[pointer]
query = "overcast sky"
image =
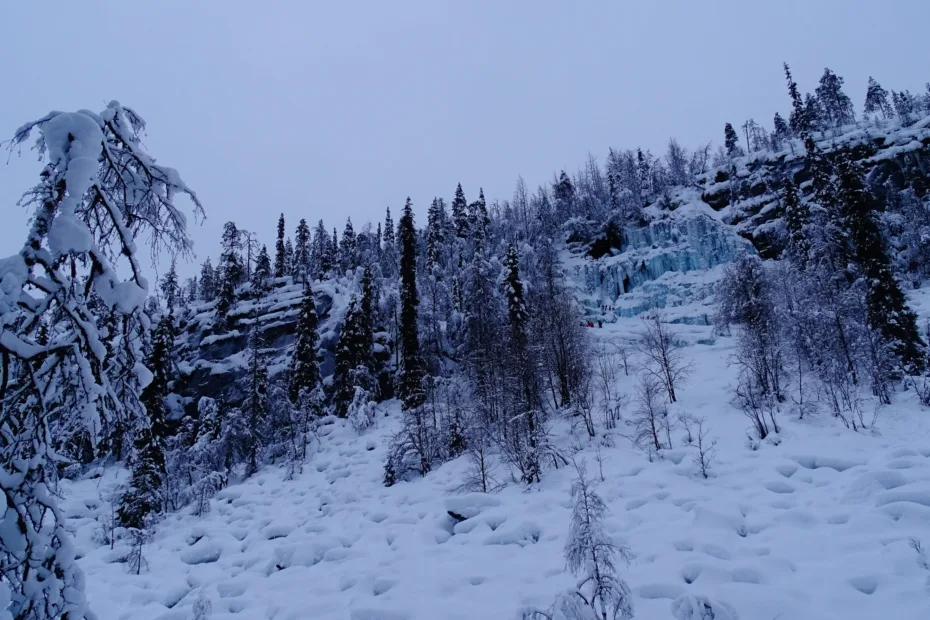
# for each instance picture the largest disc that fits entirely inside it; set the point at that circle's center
(336, 109)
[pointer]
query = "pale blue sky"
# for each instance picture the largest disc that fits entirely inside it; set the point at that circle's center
(336, 109)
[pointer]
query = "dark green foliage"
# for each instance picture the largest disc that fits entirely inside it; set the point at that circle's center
(280, 257)
(145, 496)
(410, 388)
(388, 232)
(208, 284)
(835, 106)
(170, 288)
(887, 307)
(321, 257)
(798, 121)
(797, 217)
(231, 259)
(478, 220)
(255, 406)
(262, 272)
(348, 248)
(231, 270)
(731, 141)
(876, 99)
(301, 265)
(225, 299)
(289, 256)
(435, 232)
(366, 307)
(353, 359)
(390, 473)
(460, 213)
(305, 367)
(513, 289)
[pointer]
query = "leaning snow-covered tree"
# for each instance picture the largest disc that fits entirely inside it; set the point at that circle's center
(99, 197)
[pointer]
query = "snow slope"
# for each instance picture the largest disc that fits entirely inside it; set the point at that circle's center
(816, 527)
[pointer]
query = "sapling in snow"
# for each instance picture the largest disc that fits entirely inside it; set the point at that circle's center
(591, 554)
(706, 446)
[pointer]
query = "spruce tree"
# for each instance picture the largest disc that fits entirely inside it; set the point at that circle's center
(207, 281)
(435, 235)
(334, 250)
(460, 213)
(191, 290)
(262, 272)
(280, 258)
(289, 257)
(350, 359)
(518, 318)
(797, 217)
(836, 106)
(388, 231)
(876, 99)
(798, 121)
(160, 364)
(814, 113)
(479, 220)
(731, 141)
(410, 386)
(903, 106)
(305, 368)
(366, 307)
(231, 258)
(389, 247)
(527, 413)
(320, 251)
(145, 495)
(887, 307)
(255, 405)
(170, 289)
(614, 182)
(644, 174)
(226, 297)
(348, 248)
(513, 289)
(302, 251)
(781, 133)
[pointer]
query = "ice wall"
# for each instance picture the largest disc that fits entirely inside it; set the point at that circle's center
(673, 261)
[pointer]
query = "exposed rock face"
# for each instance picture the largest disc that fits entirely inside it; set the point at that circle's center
(212, 360)
(894, 157)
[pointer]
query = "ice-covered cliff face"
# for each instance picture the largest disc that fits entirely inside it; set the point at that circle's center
(674, 259)
(671, 261)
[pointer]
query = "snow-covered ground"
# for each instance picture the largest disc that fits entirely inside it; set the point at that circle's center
(816, 527)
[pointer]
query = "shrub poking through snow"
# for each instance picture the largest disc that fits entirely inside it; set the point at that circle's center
(706, 446)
